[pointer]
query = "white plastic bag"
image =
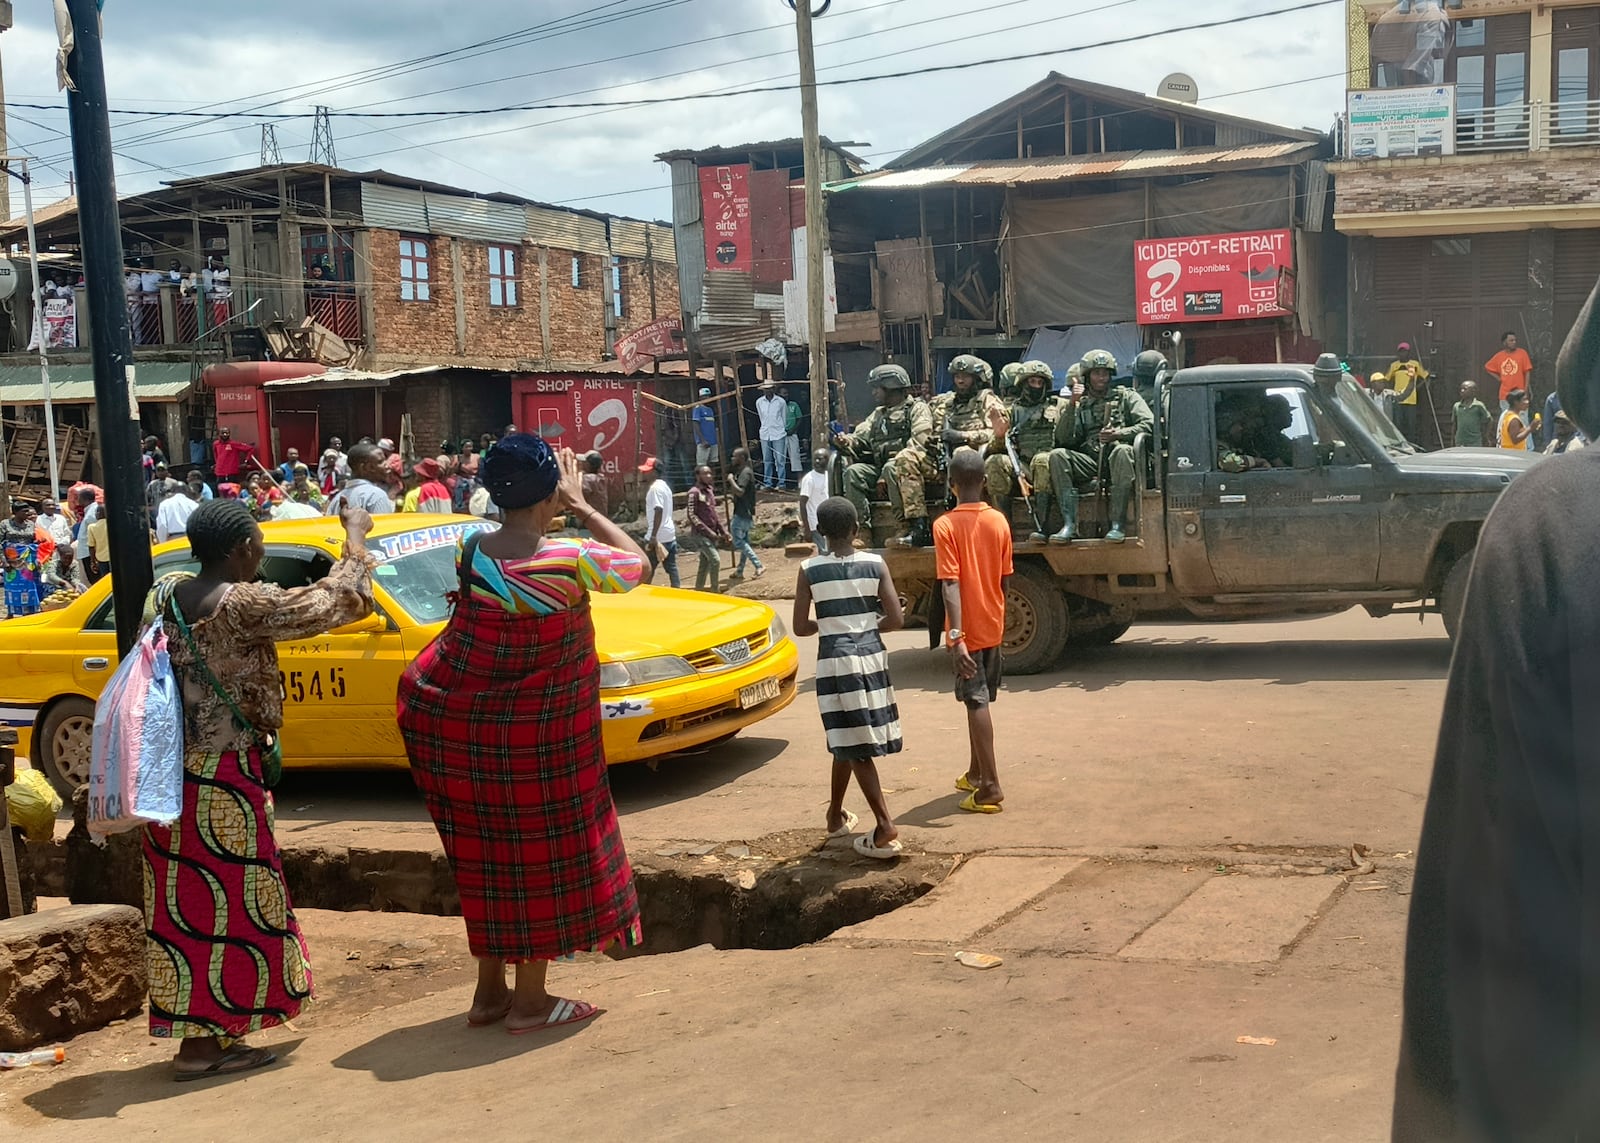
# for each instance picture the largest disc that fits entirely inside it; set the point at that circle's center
(136, 754)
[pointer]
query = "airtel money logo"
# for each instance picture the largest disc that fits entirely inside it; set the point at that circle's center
(1169, 269)
(1162, 302)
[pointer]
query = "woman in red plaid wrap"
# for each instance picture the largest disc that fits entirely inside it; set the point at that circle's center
(501, 719)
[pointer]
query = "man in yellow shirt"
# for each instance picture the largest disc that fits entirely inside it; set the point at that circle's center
(1406, 377)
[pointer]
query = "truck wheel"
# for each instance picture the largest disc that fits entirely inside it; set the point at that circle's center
(63, 745)
(1102, 636)
(1036, 622)
(1453, 594)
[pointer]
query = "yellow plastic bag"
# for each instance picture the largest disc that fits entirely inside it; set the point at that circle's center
(33, 804)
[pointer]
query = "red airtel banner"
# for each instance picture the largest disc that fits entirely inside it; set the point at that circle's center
(1215, 277)
(586, 413)
(725, 207)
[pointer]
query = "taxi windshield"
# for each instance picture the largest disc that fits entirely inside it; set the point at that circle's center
(418, 569)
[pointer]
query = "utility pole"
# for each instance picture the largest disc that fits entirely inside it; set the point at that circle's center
(816, 223)
(115, 400)
(6, 20)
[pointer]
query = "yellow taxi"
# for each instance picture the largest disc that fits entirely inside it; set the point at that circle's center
(679, 669)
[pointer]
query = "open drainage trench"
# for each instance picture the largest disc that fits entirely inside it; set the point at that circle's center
(777, 892)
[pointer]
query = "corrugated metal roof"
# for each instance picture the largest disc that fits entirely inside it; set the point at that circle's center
(628, 240)
(565, 231)
(1060, 168)
(397, 208)
(719, 339)
(730, 298)
(690, 243)
(353, 378)
(685, 192)
(1053, 86)
(74, 384)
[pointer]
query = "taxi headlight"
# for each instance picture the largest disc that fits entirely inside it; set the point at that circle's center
(777, 632)
(643, 672)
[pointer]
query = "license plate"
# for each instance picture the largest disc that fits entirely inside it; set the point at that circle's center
(757, 693)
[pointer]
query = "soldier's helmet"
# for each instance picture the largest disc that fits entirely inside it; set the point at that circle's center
(1098, 359)
(1010, 374)
(1036, 369)
(889, 377)
(1147, 365)
(977, 366)
(1075, 372)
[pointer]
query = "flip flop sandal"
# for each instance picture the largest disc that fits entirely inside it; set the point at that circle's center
(565, 1012)
(231, 1063)
(865, 847)
(971, 804)
(847, 828)
(964, 784)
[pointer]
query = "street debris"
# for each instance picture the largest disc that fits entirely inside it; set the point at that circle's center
(978, 960)
(1360, 864)
(1258, 1041)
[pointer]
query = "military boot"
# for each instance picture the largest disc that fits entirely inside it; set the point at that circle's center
(920, 534)
(1119, 513)
(1041, 508)
(1069, 519)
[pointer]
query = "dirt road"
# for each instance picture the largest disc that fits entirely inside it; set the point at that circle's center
(1311, 733)
(1187, 956)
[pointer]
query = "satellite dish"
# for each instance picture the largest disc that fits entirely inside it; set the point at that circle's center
(1179, 87)
(9, 278)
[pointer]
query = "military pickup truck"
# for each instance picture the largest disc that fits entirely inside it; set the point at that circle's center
(1351, 515)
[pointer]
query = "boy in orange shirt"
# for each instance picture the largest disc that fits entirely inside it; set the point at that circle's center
(972, 551)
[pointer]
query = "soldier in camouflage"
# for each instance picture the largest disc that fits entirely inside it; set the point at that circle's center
(1032, 417)
(1010, 376)
(1094, 441)
(900, 422)
(1147, 368)
(964, 416)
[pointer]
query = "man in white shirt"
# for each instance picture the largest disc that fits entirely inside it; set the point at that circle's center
(773, 412)
(660, 532)
(172, 518)
(813, 491)
(367, 485)
(59, 528)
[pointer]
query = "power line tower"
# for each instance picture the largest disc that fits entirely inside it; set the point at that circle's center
(270, 157)
(322, 140)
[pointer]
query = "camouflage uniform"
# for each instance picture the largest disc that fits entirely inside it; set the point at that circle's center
(887, 433)
(967, 414)
(1075, 462)
(1033, 416)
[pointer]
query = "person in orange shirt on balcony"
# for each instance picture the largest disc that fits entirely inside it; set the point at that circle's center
(1512, 367)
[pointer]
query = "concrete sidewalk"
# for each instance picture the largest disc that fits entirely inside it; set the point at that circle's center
(1116, 1015)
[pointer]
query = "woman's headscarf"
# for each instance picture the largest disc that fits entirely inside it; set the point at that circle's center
(521, 471)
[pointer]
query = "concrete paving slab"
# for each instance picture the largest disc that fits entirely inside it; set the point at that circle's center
(977, 895)
(1099, 909)
(1236, 920)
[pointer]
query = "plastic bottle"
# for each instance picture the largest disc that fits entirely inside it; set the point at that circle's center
(24, 1059)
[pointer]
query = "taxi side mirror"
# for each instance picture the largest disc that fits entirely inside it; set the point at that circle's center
(373, 624)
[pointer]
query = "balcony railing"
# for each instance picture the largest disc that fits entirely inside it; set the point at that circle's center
(1533, 126)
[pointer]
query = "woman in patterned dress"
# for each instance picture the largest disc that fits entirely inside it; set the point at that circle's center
(21, 561)
(226, 957)
(501, 719)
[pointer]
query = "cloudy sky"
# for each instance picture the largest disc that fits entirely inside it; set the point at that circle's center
(390, 55)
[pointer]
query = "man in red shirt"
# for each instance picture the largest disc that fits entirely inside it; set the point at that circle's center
(972, 556)
(1512, 367)
(231, 457)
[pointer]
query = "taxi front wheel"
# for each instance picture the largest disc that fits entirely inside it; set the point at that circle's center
(63, 745)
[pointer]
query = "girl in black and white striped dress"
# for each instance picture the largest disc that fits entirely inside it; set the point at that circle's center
(855, 603)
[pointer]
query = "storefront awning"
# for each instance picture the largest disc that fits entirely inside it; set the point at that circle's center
(350, 378)
(74, 384)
